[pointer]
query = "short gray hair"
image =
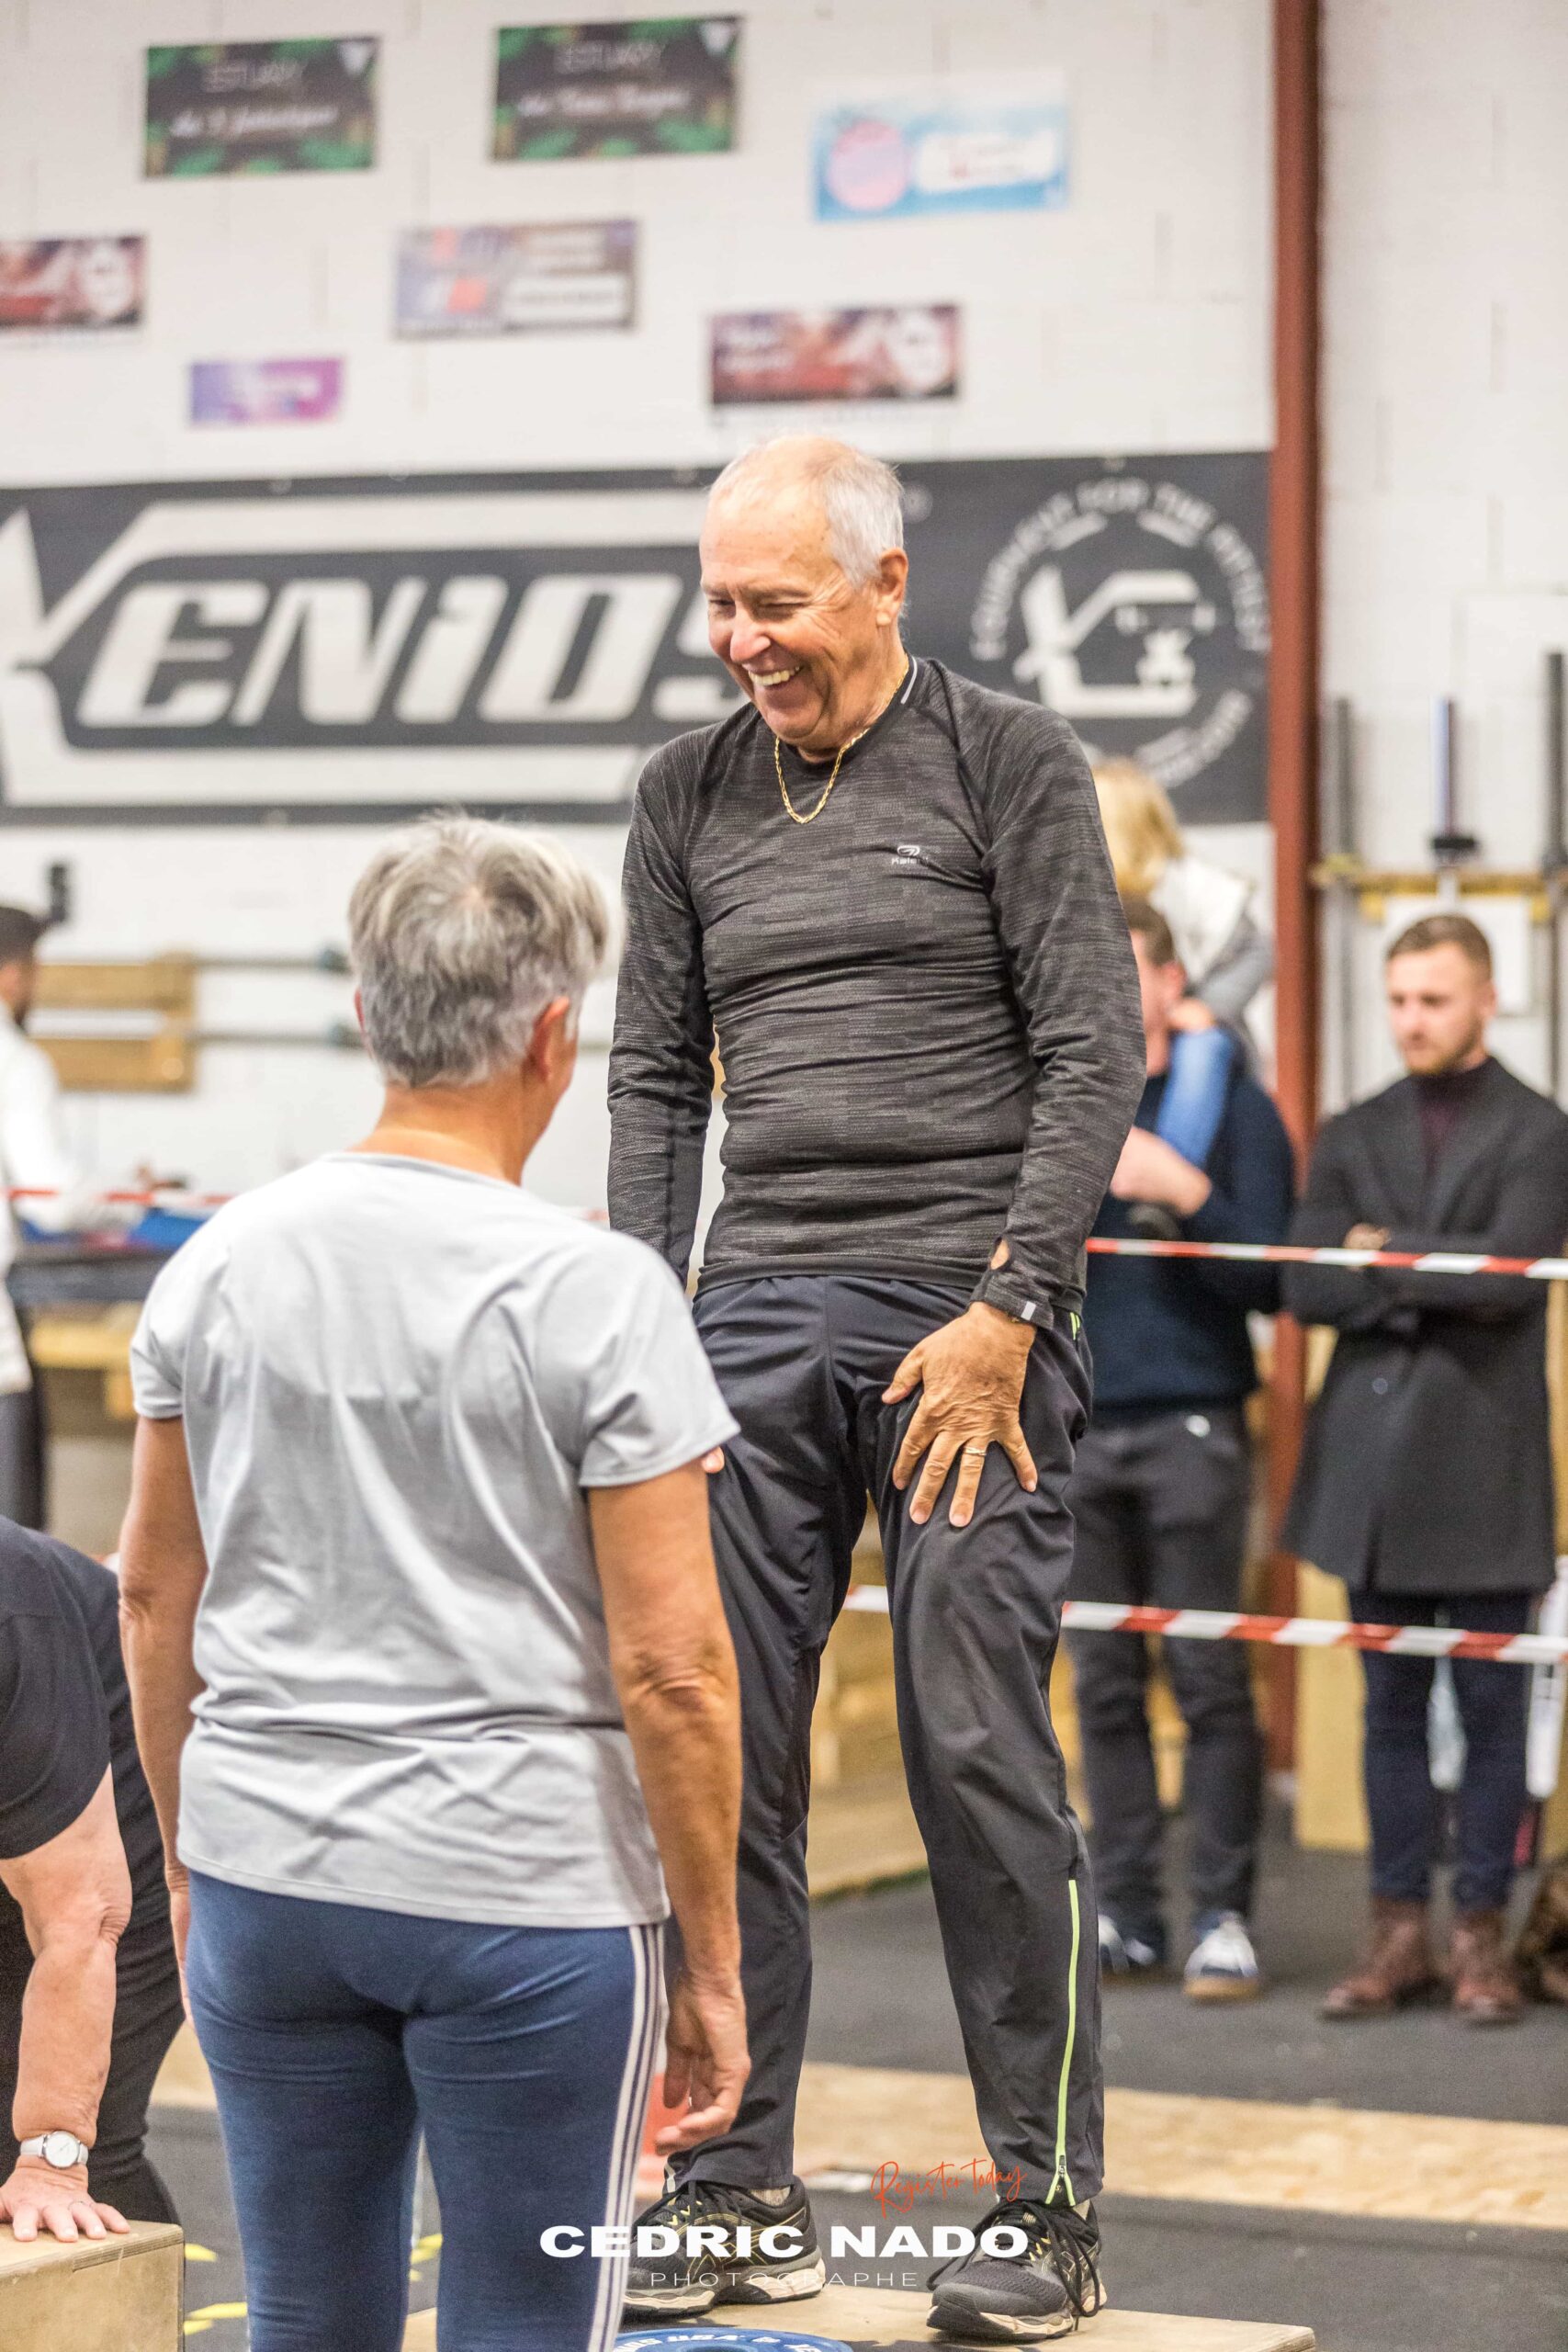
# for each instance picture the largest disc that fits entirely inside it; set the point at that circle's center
(462, 932)
(861, 496)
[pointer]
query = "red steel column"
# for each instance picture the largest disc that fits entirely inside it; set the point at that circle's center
(1293, 701)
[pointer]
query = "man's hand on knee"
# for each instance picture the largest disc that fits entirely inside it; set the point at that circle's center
(970, 1373)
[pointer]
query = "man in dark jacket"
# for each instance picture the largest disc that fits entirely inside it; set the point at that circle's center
(1425, 1480)
(1160, 1493)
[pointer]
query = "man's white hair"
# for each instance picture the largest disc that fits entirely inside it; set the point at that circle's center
(860, 494)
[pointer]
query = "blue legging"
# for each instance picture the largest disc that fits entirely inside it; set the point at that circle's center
(336, 2034)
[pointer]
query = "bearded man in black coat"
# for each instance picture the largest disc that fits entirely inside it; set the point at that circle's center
(1425, 1480)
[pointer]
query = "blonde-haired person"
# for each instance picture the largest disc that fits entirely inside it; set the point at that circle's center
(1225, 951)
(1226, 955)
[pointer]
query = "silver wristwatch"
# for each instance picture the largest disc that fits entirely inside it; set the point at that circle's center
(62, 2150)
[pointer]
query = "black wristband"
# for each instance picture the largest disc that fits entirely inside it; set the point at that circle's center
(1000, 1287)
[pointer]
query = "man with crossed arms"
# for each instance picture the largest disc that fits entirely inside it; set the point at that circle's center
(884, 891)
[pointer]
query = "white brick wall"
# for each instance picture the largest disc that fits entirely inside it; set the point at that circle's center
(1136, 318)
(1446, 508)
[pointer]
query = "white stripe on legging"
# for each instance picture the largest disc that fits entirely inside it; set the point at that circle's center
(636, 2079)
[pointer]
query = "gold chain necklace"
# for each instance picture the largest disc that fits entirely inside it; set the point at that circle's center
(811, 816)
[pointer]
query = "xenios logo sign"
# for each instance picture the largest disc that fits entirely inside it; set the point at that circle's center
(365, 647)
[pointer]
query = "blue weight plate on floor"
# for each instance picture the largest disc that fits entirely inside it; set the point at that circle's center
(725, 2339)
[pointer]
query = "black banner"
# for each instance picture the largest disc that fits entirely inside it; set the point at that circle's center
(333, 649)
(261, 106)
(662, 85)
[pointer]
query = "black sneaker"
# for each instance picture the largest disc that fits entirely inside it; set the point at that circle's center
(1024, 2298)
(683, 2285)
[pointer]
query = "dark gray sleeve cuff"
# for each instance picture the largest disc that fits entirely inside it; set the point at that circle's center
(1002, 1286)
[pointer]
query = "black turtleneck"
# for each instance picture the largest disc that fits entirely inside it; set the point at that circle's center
(1443, 1100)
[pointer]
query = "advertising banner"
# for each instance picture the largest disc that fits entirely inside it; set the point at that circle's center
(659, 85)
(364, 647)
(909, 353)
(265, 392)
(54, 282)
(889, 156)
(556, 275)
(261, 106)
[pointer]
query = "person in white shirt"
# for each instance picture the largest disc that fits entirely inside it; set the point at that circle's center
(36, 1157)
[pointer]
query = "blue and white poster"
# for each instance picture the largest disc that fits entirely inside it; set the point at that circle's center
(891, 157)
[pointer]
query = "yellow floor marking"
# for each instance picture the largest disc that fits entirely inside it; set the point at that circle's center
(209, 2314)
(1218, 2151)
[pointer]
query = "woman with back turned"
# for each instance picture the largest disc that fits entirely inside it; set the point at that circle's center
(428, 1659)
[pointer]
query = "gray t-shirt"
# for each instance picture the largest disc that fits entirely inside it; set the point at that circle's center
(925, 1000)
(397, 1379)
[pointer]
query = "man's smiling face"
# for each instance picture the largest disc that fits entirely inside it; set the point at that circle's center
(806, 645)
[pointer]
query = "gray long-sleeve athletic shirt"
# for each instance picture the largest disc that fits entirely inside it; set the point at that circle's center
(925, 1002)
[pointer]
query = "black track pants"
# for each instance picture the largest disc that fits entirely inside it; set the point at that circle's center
(1161, 1510)
(976, 1612)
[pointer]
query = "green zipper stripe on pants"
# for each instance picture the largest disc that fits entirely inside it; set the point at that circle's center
(1062, 2174)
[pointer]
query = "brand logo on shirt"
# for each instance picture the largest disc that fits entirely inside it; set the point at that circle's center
(909, 857)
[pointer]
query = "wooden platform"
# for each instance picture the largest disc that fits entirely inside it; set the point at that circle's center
(863, 2316)
(103, 2295)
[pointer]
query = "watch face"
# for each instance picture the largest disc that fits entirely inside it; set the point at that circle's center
(60, 2150)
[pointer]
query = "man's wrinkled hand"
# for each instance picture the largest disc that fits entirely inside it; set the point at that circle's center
(1365, 1237)
(970, 1375)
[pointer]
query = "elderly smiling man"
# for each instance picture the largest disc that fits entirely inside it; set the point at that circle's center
(884, 891)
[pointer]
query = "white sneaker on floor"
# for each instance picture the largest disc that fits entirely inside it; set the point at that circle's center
(1224, 1966)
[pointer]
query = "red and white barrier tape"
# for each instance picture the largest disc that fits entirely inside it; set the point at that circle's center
(1287, 1253)
(158, 1197)
(1288, 1632)
(1273, 1253)
(1192, 1624)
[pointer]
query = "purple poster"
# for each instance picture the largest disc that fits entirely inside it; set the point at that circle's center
(265, 392)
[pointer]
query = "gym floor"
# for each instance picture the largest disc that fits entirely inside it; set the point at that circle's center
(1315, 2201)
